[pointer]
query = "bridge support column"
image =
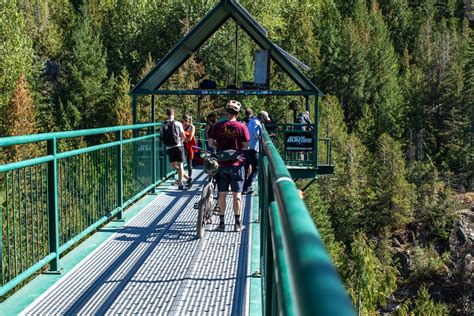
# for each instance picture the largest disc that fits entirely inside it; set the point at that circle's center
(53, 212)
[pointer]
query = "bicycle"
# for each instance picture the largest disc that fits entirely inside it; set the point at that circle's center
(204, 205)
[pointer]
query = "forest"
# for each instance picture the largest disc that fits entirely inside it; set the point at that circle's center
(398, 78)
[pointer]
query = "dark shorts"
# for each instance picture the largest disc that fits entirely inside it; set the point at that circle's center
(176, 154)
(233, 176)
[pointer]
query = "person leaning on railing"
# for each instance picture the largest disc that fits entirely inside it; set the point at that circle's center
(230, 138)
(303, 118)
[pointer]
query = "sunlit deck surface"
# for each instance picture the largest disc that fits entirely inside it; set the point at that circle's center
(154, 264)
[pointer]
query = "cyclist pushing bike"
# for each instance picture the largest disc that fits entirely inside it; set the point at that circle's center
(230, 138)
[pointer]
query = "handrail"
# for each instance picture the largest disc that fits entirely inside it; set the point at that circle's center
(25, 139)
(50, 203)
(314, 283)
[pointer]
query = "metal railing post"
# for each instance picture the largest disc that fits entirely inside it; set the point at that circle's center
(53, 212)
(153, 146)
(2, 281)
(330, 153)
(153, 158)
(119, 137)
(268, 273)
(260, 178)
(316, 131)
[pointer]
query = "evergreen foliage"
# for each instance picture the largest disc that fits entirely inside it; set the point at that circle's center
(16, 51)
(370, 283)
(319, 211)
(425, 306)
(19, 118)
(390, 194)
(398, 78)
(86, 87)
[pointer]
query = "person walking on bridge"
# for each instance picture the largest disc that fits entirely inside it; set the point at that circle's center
(230, 138)
(189, 144)
(172, 135)
(251, 156)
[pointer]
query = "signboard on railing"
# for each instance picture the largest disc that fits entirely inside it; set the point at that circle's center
(299, 141)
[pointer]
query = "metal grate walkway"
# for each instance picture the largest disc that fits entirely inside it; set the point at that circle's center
(155, 265)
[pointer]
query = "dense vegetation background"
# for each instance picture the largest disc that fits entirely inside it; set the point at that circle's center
(398, 77)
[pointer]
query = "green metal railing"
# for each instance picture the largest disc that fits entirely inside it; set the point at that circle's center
(49, 203)
(298, 275)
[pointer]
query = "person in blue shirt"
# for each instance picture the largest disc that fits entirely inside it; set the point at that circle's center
(251, 156)
(303, 118)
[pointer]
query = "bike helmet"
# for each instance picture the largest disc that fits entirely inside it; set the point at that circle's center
(210, 166)
(233, 107)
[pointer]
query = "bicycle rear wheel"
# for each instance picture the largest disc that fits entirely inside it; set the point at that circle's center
(204, 207)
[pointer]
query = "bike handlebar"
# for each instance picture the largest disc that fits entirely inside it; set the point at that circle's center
(204, 150)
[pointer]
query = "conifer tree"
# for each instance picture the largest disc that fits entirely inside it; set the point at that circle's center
(16, 51)
(433, 202)
(398, 17)
(20, 119)
(300, 39)
(121, 32)
(351, 71)
(444, 116)
(383, 88)
(423, 305)
(369, 283)
(186, 78)
(49, 23)
(390, 195)
(144, 102)
(86, 87)
(319, 212)
(327, 29)
(345, 191)
(468, 104)
(121, 111)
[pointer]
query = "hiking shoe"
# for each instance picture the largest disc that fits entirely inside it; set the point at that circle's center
(190, 182)
(239, 227)
(221, 227)
(180, 187)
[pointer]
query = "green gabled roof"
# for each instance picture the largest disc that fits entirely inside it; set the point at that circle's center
(192, 41)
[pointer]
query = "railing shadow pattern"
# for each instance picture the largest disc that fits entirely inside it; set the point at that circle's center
(49, 203)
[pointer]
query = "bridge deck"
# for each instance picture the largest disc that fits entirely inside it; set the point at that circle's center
(155, 265)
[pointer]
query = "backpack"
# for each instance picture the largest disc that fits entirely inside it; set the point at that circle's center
(170, 134)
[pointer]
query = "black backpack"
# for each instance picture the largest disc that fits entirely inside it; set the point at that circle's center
(170, 134)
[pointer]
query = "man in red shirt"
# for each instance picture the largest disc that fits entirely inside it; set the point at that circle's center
(230, 138)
